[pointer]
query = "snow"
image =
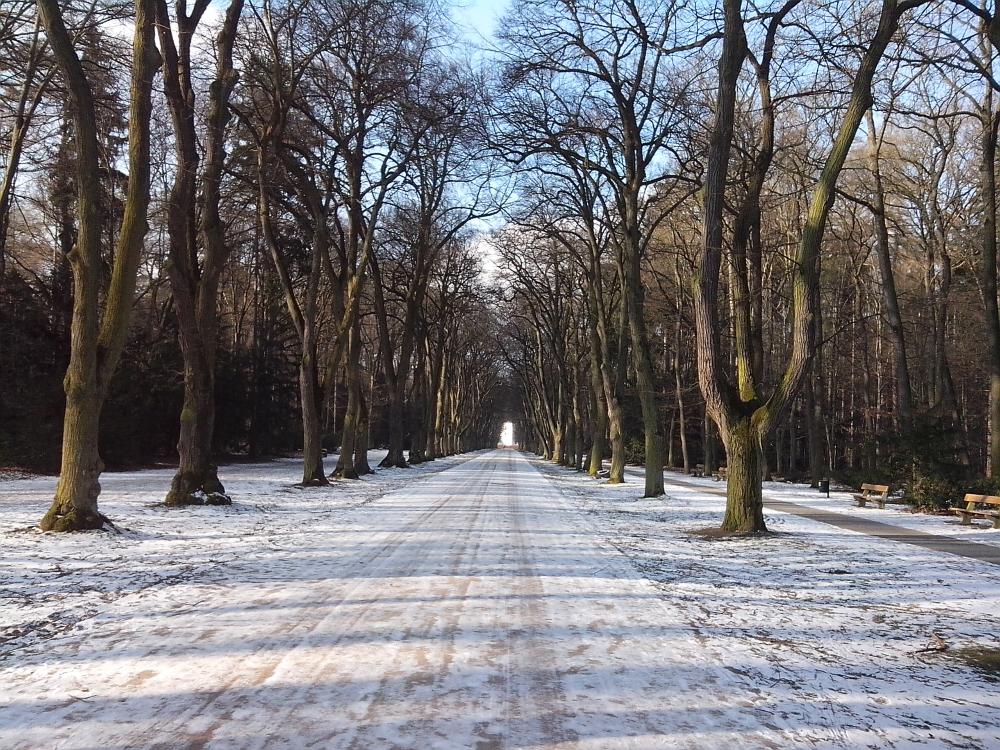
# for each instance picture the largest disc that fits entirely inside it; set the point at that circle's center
(481, 601)
(896, 512)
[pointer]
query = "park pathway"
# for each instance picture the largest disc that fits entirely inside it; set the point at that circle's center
(986, 553)
(478, 608)
(472, 608)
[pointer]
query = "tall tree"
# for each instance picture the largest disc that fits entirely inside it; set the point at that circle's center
(602, 70)
(198, 244)
(745, 416)
(98, 336)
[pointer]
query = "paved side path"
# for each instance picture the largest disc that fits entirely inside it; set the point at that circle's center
(936, 542)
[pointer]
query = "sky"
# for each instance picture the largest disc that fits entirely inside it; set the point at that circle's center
(478, 17)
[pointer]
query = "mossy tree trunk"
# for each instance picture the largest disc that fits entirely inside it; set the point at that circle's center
(642, 359)
(744, 416)
(97, 340)
(196, 481)
(313, 473)
(744, 499)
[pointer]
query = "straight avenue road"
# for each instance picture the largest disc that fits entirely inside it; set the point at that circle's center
(475, 607)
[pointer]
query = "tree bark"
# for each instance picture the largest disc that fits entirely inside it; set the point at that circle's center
(678, 386)
(352, 420)
(194, 282)
(988, 198)
(97, 341)
(313, 473)
(743, 416)
(418, 442)
(893, 317)
(599, 409)
(24, 112)
(745, 474)
(644, 374)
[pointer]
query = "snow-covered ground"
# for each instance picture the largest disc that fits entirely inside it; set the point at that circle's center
(484, 601)
(51, 583)
(895, 513)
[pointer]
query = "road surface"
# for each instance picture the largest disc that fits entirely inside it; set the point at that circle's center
(472, 608)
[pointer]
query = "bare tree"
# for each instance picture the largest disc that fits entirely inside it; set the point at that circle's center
(98, 336)
(605, 70)
(744, 415)
(198, 246)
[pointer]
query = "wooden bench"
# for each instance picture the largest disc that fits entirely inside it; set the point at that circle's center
(722, 474)
(698, 470)
(872, 493)
(971, 509)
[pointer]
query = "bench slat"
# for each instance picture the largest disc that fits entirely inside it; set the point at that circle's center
(972, 499)
(881, 488)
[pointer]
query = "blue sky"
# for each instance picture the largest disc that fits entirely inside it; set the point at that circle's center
(478, 17)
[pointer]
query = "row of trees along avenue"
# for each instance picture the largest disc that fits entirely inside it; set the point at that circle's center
(652, 232)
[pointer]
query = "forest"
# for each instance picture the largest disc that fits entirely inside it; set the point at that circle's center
(760, 235)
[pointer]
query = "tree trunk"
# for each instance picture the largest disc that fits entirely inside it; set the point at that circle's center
(894, 320)
(361, 465)
(97, 341)
(599, 409)
(352, 419)
(196, 481)
(397, 434)
(814, 421)
(195, 290)
(616, 434)
(707, 444)
(645, 378)
(745, 468)
(679, 391)
(988, 197)
(438, 433)
(793, 441)
(311, 402)
(744, 417)
(75, 505)
(418, 442)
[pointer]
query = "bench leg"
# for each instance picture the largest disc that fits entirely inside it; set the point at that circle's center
(881, 505)
(996, 522)
(966, 519)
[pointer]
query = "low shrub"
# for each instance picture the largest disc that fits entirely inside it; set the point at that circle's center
(929, 492)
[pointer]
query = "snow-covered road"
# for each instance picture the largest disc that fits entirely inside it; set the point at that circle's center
(482, 606)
